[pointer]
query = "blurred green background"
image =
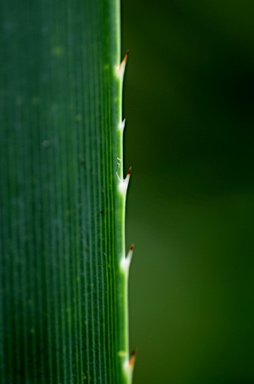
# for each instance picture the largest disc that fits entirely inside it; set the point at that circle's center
(189, 103)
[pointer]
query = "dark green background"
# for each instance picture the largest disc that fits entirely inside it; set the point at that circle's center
(189, 103)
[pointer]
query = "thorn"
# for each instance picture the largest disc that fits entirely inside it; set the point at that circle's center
(123, 185)
(126, 260)
(132, 359)
(127, 178)
(129, 171)
(121, 68)
(125, 57)
(122, 125)
(130, 253)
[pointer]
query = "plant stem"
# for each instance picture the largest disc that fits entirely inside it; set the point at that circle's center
(64, 270)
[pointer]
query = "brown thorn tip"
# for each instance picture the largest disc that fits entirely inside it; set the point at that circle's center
(132, 247)
(126, 55)
(129, 171)
(132, 358)
(125, 58)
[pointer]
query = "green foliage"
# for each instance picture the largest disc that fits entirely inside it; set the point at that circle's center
(63, 290)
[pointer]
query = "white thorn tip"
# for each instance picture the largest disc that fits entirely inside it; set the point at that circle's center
(123, 185)
(122, 125)
(126, 260)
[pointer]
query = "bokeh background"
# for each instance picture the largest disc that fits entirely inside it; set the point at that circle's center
(189, 103)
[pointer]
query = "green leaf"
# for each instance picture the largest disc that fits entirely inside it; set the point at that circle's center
(64, 273)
